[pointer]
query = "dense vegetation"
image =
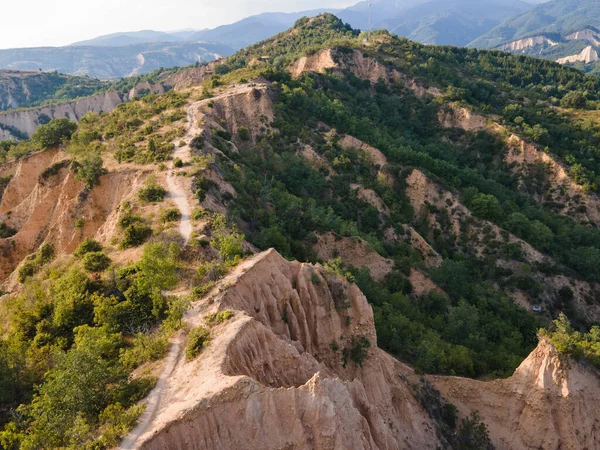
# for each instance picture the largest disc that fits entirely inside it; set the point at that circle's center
(106, 320)
(555, 17)
(579, 345)
(475, 329)
(30, 89)
(72, 340)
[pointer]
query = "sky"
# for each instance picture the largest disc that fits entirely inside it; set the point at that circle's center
(35, 23)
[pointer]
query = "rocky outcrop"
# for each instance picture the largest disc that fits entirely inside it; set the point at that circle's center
(588, 35)
(524, 161)
(248, 105)
(27, 120)
(319, 62)
(377, 157)
(190, 76)
(549, 403)
(370, 196)
(568, 197)
(587, 55)
(525, 43)
(422, 284)
(451, 116)
(273, 377)
(145, 87)
(360, 65)
(45, 208)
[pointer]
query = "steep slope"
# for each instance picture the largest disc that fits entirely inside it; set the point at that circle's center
(26, 89)
(560, 17)
(271, 377)
(445, 184)
(27, 120)
(549, 402)
(564, 31)
(44, 208)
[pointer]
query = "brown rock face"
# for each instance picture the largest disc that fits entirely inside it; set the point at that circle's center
(273, 377)
(46, 209)
(28, 120)
(548, 403)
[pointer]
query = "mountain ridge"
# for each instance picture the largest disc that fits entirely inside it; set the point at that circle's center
(353, 203)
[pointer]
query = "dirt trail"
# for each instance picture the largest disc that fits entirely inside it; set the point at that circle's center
(153, 400)
(178, 193)
(175, 188)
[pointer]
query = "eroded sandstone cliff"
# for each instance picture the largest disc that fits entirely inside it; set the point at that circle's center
(275, 375)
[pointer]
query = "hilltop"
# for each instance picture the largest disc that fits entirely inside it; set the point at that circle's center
(260, 246)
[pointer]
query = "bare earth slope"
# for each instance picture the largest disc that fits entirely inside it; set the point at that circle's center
(549, 403)
(272, 378)
(45, 209)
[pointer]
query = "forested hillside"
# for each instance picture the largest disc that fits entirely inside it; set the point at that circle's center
(457, 188)
(563, 31)
(20, 89)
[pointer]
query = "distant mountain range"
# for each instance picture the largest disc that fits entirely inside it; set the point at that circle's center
(567, 31)
(237, 35)
(450, 22)
(112, 62)
(453, 22)
(481, 23)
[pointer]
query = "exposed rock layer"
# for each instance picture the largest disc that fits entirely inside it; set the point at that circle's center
(271, 377)
(549, 403)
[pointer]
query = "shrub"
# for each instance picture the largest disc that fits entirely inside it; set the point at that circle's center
(54, 133)
(220, 317)
(28, 269)
(6, 231)
(135, 234)
(336, 267)
(35, 262)
(53, 169)
(146, 347)
(96, 262)
(574, 99)
(198, 214)
(177, 163)
(243, 133)
(89, 170)
(152, 192)
(198, 338)
(473, 434)
(357, 351)
(170, 215)
(87, 246)
(45, 254)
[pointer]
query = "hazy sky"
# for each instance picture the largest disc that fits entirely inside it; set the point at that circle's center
(33, 23)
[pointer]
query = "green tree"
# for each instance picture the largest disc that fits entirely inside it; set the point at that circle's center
(96, 262)
(89, 170)
(54, 133)
(486, 206)
(82, 384)
(159, 263)
(574, 99)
